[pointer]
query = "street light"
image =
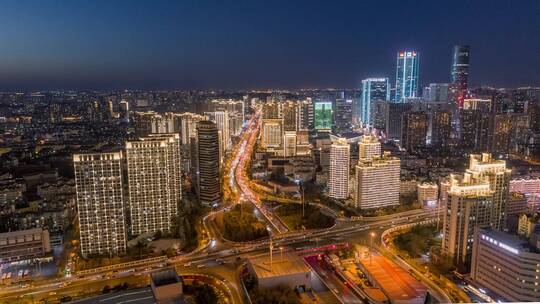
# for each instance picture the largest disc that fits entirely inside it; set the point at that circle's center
(281, 253)
(372, 235)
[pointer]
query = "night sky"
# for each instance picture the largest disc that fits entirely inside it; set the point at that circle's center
(260, 44)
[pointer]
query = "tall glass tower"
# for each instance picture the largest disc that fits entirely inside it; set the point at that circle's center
(460, 71)
(373, 89)
(406, 75)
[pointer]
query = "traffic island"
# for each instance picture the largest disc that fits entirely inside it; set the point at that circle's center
(240, 224)
(311, 217)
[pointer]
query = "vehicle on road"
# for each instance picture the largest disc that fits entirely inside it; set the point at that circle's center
(201, 266)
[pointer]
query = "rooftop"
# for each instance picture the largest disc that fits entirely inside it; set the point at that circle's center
(290, 264)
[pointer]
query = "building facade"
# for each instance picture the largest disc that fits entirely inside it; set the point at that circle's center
(24, 245)
(407, 75)
(468, 204)
(154, 182)
(338, 182)
(100, 203)
(507, 265)
(377, 183)
(373, 90)
(208, 164)
(460, 71)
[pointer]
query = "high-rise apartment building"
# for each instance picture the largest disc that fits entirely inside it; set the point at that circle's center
(369, 147)
(289, 143)
(272, 110)
(460, 71)
(290, 116)
(441, 128)
(154, 180)
(373, 90)
(305, 114)
(338, 183)
(208, 163)
(100, 203)
(495, 172)
(467, 205)
(272, 134)
(407, 75)
(474, 129)
(222, 122)
(414, 130)
(377, 182)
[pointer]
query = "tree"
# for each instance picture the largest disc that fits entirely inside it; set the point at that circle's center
(141, 245)
(205, 295)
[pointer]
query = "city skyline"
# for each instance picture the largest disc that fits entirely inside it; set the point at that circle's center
(121, 45)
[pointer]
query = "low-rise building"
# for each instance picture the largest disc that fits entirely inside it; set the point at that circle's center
(24, 245)
(506, 265)
(289, 270)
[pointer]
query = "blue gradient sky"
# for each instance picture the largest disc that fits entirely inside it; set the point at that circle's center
(259, 44)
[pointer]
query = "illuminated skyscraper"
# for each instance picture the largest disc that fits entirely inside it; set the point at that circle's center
(338, 182)
(154, 180)
(208, 163)
(406, 75)
(323, 115)
(305, 115)
(460, 71)
(373, 89)
(100, 203)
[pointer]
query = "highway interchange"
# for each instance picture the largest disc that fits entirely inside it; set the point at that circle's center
(220, 258)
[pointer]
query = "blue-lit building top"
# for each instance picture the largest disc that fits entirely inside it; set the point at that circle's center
(406, 75)
(373, 89)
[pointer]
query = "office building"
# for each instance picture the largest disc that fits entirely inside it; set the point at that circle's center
(369, 147)
(506, 265)
(338, 182)
(208, 163)
(154, 182)
(373, 89)
(24, 245)
(394, 119)
(100, 203)
(498, 176)
(343, 115)
(460, 71)
(440, 92)
(481, 104)
(377, 183)
(407, 75)
(414, 130)
(323, 115)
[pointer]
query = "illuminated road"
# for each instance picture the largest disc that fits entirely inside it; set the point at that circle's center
(240, 163)
(294, 240)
